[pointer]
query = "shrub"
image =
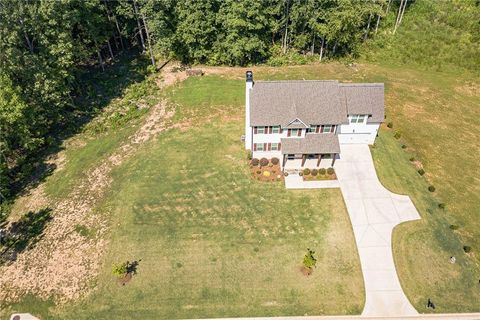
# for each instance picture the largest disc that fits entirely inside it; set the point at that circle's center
(390, 125)
(441, 205)
(120, 269)
(421, 172)
(330, 171)
(397, 135)
(266, 173)
(285, 174)
(314, 172)
(404, 146)
(275, 161)
(309, 260)
(453, 227)
(467, 249)
(306, 171)
(322, 171)
(431, 188)
(412, 159)
(300, 174)
(259, 171)
(263, 162)
(255, 162)
(249, 155)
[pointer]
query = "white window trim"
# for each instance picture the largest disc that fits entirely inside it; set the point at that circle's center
(330, 128)
(258, 130)
(355, 118)
(257, 147)
(276, 128)
(294, 134)
(274, 146)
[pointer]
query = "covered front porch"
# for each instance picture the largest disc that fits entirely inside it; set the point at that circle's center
(313, 151)
(311, 161)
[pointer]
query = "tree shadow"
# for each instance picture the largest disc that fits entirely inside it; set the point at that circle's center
(93, 90)
(132, 266)
(23, 234)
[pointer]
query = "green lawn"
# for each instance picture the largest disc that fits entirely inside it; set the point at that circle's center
(422, 248)
(215, 243)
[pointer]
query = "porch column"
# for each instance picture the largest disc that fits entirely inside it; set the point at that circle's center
(304, 158)
(319, 158)
(284, 161)
(333, 158)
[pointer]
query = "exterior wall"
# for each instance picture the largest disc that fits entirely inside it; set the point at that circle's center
(248, 129)
(267, 154)
(355, 133)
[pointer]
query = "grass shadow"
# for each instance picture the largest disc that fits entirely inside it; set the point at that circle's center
(23, 234)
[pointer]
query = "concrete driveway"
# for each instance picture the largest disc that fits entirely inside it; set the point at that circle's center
(374, 212)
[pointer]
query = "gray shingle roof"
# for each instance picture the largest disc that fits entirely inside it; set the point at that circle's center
(365, 98)
(312, 143)
(280, 102)
(313, 102)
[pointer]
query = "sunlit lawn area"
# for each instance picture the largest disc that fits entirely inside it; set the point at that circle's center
(213, 242)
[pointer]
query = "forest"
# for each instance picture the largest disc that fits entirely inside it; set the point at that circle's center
(47, 48)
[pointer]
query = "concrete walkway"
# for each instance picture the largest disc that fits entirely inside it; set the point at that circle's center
(294, 181)
(374, 212)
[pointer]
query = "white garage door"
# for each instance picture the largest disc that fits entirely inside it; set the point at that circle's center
(354, 138)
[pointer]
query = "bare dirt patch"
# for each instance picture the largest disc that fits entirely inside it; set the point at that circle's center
(63, 263)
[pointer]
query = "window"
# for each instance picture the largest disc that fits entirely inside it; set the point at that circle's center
(313, 128)
(260, 130)
(294, 132)
(291, 157)
(274, 147)
(259, 147)
(357, 118)
(275, 129)
(327, 128)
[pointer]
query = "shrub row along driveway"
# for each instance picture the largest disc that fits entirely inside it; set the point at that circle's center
(374, 212)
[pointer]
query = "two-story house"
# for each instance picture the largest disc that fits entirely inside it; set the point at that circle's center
(304, 122)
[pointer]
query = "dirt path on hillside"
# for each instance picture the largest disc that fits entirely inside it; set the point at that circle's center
(63, 262)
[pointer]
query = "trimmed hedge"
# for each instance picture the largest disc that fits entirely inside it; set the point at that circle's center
(322, 171)
(314, 172)
(255, 162)
(275, 161)
(306, 171)
(330, 171)
(264, 162)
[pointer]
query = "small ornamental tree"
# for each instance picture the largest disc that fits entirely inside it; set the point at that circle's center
(309, 260)
(119, 269)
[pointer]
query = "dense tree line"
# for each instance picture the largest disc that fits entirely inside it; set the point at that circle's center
(44, 44)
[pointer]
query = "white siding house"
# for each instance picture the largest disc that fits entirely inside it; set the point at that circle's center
(303, 123)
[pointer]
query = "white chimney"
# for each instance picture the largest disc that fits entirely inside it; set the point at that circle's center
(248, 129)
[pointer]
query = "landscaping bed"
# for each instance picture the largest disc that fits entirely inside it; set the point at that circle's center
(318, 174)
(266, 170)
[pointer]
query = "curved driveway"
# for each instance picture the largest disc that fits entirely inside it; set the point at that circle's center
(374, 212)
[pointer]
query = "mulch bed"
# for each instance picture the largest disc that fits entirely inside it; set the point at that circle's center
(268, 173)
(125, 279)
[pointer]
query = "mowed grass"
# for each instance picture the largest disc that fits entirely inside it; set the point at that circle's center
(215, 243)
(422, 249)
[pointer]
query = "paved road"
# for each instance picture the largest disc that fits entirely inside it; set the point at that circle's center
(374, 212)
